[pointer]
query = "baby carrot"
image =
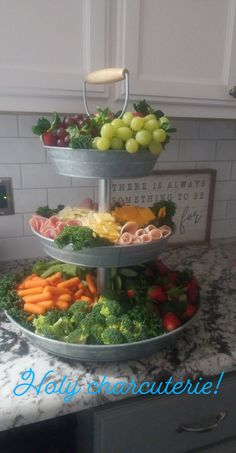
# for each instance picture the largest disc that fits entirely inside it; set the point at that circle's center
(30, 317)
(69, 283)
(54, 278)
(86, 299)
(30, 291)
(64, 298)
(79, 293)
(55, 290)
(37, 298)
(35, 283)
(62, 305)
(80, 285)
(91, 285)
(49, 304)
(34, 308)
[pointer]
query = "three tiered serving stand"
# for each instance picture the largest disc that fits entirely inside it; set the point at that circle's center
(109, 165)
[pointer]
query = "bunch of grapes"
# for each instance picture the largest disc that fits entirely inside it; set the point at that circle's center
(133, 132)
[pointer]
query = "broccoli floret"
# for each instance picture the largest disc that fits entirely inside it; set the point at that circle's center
(78, 311)
(79, 307)
(76, 336)
(53, 325)
(126, 325)
(43, 324)
(62, 328)
(111, 308)
(113, 321)
(112, 336)
(97, 308)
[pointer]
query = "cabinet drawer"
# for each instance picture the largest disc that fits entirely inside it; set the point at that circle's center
(151, 425)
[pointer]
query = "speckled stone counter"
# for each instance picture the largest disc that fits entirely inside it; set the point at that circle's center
(207, 347)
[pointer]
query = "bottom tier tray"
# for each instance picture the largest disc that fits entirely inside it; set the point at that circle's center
(104, 353)
(109, 256)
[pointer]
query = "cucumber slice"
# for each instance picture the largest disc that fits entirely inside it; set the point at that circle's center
(117, 283)
(128, 272)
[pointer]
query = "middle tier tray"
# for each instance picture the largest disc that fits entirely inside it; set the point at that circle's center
(108, 256)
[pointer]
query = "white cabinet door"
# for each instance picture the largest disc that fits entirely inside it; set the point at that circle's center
(46, 47)
(180, 53)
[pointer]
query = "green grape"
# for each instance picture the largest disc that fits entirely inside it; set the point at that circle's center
(159, 135)
(116, 143)
(164, 120)
(103, 144)
(124, 133)
(155, 148)
(94, 142)
(127, 118)
(131, 146)
(107, 131)
(151, 125)
(151, 116)
(137, 123)
(117, 122)
(143, 137)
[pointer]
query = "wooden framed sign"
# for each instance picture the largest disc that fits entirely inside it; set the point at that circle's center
(191, 190)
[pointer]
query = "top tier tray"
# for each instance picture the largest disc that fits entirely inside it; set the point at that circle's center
(90, 163)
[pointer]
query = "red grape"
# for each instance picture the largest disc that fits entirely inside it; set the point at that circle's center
(61, 132)
(61, 142)
(69, 120)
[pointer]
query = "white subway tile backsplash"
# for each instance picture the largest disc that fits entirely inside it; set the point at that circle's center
(231, 211)
(223, 169)
(69, 197)
(11, 225)
(36, 176)
(85, 182)
(11, 171)
(20, 247)
(8, 125)
(27, 229)
(217, 129)
(26, 121)
(225, 190)
(186, 128)
(176, 166)
(21, 150)
(197, 150)
(233, 174)
(223, 229)
(226, 150)
(219, 210)
(27, 200)
(171, 153)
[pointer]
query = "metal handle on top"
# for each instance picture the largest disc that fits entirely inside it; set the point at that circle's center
(108, 75)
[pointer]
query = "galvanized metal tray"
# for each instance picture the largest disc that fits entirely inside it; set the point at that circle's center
(104, 353)
(108, 256)
(91, 163)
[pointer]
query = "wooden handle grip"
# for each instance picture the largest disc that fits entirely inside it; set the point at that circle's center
(108, 75)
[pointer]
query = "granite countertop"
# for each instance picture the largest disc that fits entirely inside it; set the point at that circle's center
(207, 347)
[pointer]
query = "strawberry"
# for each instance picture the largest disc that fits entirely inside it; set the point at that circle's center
(130, 293)
(171, 322)
(138, 114)
(49, 139)
(192, 290)
(172, 277)
(189, 312)
(157, 294)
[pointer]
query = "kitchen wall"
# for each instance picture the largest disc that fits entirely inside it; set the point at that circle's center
(197, 144)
